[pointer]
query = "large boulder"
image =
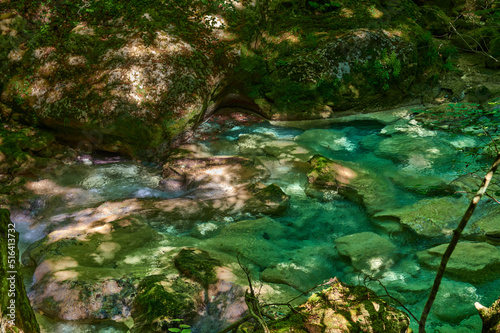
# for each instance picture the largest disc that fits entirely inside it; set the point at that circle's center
(113, 78)
(90, 273)
(417, 152)
(344, 308)
(475, 262)
(262, 240)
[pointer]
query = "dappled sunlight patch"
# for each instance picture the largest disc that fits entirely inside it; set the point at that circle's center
(346, 12)
(105, 251)
(136, 259)
(51, 265)
(77, 60)
(65, 275)
(83, 29)
(375, 13)
(90, 221)
(417, 162)
(344, 174)
(16, 55)
(47, 69)
(49, 187)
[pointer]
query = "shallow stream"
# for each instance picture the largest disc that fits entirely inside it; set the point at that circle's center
(305, 242)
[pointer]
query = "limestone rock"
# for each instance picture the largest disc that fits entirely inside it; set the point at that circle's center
(102, 262)
(475, 262)
(332, 140)
(368, 251)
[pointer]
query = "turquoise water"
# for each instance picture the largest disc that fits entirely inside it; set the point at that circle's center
(305, 241)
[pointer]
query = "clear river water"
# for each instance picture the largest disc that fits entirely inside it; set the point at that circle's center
(400, 151)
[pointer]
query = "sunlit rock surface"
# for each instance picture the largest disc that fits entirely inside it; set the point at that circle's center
(490, 316)
(351, 181)
(429, 217)
(344, 308)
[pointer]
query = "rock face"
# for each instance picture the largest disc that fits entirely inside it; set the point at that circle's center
(121, 82)
(16, 313)
(344, 308)
(368, 251)
(475, 262)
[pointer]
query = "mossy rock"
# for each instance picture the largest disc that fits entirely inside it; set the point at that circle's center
(474, 262)
(269, 200)
(354, 183)
(344, 308)
(197, 265)
(158, 304)
(490, 317)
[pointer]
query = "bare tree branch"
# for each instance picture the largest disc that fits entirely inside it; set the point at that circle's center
(454, 241)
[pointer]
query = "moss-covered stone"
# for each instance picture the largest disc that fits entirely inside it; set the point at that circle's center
(490, 317)
(269, 200)
(158, 303)
(354, 183)
(344, 308)
(475, 262)
(198, 265)
(16, 313)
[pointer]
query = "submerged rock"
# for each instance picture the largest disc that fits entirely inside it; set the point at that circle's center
(198, 265)
(489, 225)
(474, 262)
(416, 152)
(257, 240)
(368, 251)
(429, 217)
(348, 179)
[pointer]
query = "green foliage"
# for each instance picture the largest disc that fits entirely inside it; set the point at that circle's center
(183, 328)
(324, 6)
(428, 54)
(469, 118)
(385, 69)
